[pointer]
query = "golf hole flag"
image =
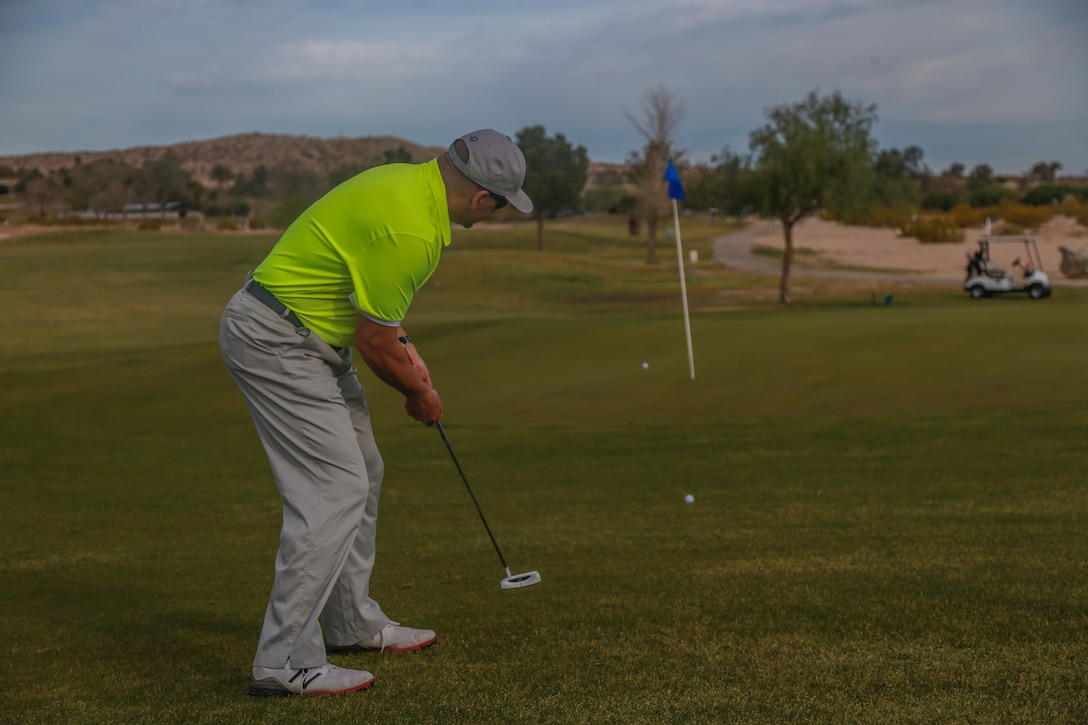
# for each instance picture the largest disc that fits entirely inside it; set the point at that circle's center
(676, 191)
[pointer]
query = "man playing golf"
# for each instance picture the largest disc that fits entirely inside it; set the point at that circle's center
(344, 273)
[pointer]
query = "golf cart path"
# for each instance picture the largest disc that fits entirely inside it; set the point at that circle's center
(846, 252)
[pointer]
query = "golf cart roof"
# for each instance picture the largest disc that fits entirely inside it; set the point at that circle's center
(1007, 239)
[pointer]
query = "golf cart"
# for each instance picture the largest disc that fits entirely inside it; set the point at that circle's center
(985, 278)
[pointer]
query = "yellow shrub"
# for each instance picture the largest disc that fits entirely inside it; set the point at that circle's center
(964, 215)
(886, 217)
(930, 230)
(1023, 215)
(1077, 210)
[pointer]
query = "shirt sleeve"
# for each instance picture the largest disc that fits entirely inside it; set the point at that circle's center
(387, 274)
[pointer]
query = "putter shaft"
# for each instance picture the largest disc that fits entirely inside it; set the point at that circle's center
(475, 503)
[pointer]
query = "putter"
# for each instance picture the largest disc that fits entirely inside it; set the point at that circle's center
(511, 581)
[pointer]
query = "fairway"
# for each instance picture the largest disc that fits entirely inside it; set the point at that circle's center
(887, 527)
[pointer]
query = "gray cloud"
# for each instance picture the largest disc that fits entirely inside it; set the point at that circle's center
(994, 81)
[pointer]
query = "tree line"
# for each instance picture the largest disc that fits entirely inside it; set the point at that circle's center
(817, 155)
(106, 186)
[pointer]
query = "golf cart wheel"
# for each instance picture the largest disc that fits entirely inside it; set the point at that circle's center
(1036, 292)
(977, 292)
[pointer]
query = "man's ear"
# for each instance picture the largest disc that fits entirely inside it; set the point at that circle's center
(477, 198)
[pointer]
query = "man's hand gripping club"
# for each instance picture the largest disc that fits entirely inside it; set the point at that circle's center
(399, 366)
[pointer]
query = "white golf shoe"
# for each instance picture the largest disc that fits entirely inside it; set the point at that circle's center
(323, 680)
(391, 638)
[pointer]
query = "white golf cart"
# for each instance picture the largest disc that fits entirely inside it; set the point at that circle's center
(985, 278)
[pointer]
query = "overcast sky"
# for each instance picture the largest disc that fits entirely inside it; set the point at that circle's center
(1003, 82)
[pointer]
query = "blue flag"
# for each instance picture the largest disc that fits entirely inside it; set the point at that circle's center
(676, 189)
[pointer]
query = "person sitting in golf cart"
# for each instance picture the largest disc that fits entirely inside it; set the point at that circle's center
(974, 264)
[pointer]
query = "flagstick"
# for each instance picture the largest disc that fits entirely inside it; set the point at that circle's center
(683, 288)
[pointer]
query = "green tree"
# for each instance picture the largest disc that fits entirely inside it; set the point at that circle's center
(257, 184)
(556, 173)
(104, 185)
(955, 170)
(290, 180)
(701, 187)
(991, 195)
(344, 172)
(221, 174)
(900, 177)
(814, 154)
(739, 193)
(1044, 171)
(287, 211)
(164, 181)
(980, 177)
(944, 200)
(1054, 194)
(400, 156)
(724, 185)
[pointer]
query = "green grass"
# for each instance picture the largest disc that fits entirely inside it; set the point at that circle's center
(888, 523)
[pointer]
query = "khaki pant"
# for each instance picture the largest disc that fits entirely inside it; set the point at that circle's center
(311, 415)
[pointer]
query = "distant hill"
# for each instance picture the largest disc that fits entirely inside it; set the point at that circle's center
(294, 167)
(241, 153)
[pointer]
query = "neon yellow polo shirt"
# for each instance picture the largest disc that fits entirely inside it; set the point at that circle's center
(368, 246)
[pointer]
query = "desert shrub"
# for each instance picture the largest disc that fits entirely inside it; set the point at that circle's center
(36, 218)
(944, 200)
(964, 215)
(189, 223)
(287, 211)
(991, 195)
(1024, 215)
(886, 217)
(226, 224)
(1044, 194)
(1078, 211)
(227, 207)
(934, 229)
(257, 222)
(880, 216)
(149, 225)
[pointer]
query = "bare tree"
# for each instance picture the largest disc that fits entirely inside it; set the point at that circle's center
(41, 195)
(661, 114)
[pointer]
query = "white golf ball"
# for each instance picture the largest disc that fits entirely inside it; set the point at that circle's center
(689, 498)
(645, 365)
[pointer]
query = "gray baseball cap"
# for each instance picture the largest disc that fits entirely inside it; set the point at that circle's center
(496, 163)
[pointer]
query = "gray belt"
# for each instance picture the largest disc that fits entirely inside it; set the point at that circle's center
(254, 288)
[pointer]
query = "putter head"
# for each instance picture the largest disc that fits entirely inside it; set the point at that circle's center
(517, 581)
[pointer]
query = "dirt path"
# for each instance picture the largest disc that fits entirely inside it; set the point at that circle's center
(828, 249)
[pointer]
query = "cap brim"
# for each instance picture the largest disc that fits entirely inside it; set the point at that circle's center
(521, 202)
